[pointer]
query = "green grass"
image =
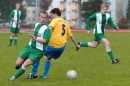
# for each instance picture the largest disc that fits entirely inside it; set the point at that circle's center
(93, 66)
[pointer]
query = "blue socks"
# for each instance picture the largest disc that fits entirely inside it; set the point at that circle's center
(46, 68)
(35, 68)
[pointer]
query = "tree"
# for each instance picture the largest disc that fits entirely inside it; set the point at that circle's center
(7, 6)
(90, 7)
(128, 12)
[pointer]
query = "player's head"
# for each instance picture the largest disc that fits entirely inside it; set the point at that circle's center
(17, 6)
(104, 8)
(55, 12)
(43, 16)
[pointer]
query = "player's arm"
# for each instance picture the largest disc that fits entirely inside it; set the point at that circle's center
(42, 41)
(47, 35)
(92, 17)
(12, 17)
(74, 41)
(53, 24)
(111, 23)
(69, 33)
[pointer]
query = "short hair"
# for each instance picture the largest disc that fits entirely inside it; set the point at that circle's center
(56, 10)
(104, 5)
(17, 2)
(44, 12)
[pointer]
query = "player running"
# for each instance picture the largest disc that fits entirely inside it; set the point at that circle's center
(101, 19)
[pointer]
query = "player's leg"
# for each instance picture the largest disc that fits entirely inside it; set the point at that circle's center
(47, 66)
(35, 58)
(93, 44)
(11, 39)
(15, 39)
(16, 36)
(35, 68)
(22, 57)
(21, 70)
(109, 51)
(19, 62)
(51, 53)
(12, 30)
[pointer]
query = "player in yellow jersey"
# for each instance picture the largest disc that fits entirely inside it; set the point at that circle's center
(60, 30)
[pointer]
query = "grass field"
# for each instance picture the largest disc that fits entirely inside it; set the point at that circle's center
(93, 66)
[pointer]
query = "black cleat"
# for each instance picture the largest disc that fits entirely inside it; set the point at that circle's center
(30, 76)
(115, 61)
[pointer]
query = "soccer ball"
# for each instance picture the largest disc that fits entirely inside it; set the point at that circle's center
(71, 74)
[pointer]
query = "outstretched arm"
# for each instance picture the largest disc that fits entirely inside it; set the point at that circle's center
(74, 41)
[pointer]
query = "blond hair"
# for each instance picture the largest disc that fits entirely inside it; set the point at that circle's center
(105, 5)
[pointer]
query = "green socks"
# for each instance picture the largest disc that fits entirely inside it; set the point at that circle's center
(11, 39)
(15, 41)
(109, 52)
(20, 72)
(84, 44)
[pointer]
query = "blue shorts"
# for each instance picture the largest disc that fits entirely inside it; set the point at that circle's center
(54, 52)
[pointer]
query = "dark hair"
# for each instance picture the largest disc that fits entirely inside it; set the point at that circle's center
(44, 12)
(56, 10)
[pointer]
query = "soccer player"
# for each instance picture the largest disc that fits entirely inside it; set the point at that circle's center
(35, 50)
(57, 44)
(15, 24)
(101, 19)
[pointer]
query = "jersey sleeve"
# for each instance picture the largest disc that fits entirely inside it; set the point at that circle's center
(92, 17)
(11, 15)
(69, 32)
(53, 23)
(47, 35)
(111, 23)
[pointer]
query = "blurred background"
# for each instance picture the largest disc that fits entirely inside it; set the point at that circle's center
(75, 12)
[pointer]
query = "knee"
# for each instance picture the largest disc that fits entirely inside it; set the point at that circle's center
(94, 46)
(17, 67)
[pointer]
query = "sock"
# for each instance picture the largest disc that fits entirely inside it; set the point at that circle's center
(109, 52)
(15, 40)
(84, 44)
(35, 68)
(20, 72)
(46, 68)
(11, 39)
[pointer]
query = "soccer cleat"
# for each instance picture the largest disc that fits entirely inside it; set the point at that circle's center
(9, 44)
(78, 44)
(43, 77)
(30, 76)
(11, 79)
(115, 61)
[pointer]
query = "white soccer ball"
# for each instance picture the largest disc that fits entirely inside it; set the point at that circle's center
(71, 74)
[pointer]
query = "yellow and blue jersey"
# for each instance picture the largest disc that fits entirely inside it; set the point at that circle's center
(60, 31)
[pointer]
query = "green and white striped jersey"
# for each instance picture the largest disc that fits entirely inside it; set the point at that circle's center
(41, 31)
(16, 14)
(100, 22)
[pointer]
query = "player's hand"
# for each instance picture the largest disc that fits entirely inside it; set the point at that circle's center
(88, 32)
(32, 36)
(15, 21)
(117, 28)
(20, 22)
(77, 47)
